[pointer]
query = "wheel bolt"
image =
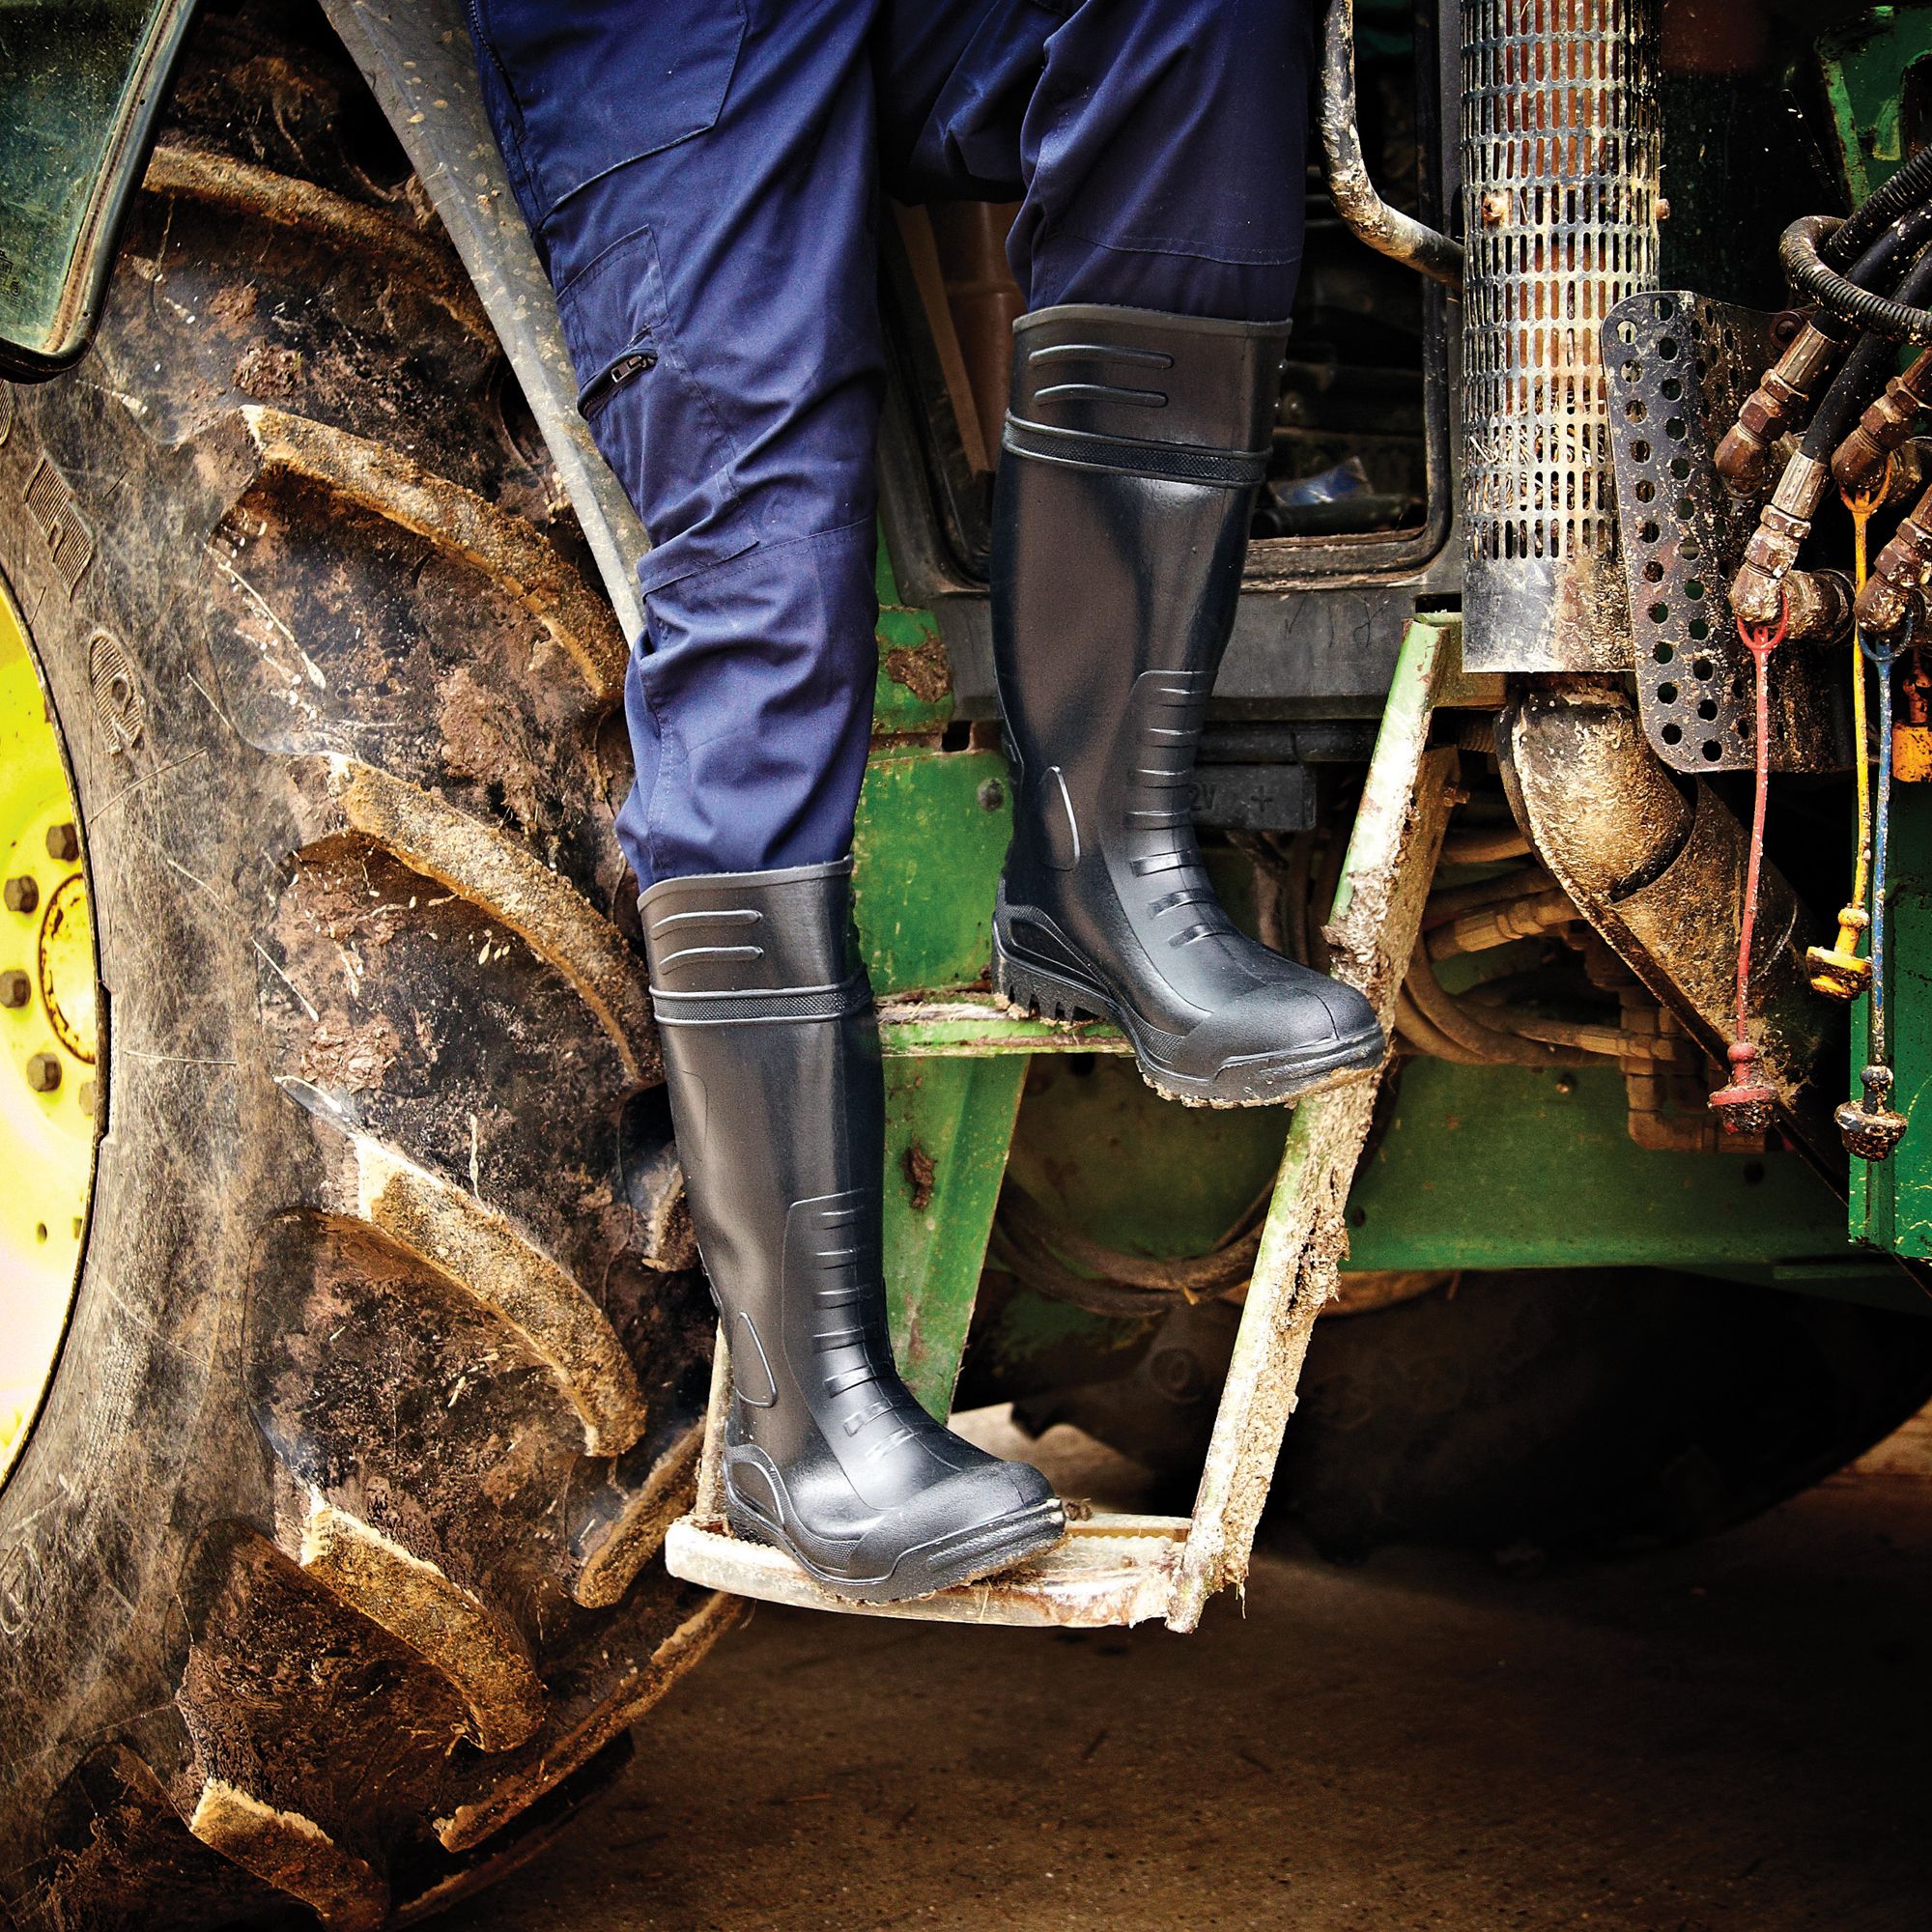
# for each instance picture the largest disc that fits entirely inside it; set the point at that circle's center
(62, 844)
(22, 895)
(16, 988)
(43, 1073)
(89, 1098)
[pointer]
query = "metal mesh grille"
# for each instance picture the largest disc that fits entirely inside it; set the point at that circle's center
(1560, 157)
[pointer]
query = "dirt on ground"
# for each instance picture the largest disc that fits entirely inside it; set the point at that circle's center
(1728, 1736)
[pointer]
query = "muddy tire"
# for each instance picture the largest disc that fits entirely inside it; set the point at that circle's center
(329, 1577)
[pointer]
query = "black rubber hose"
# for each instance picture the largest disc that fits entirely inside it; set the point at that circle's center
(1911, 186)
(1900, 243)
(1864, 371)
(1869, 313)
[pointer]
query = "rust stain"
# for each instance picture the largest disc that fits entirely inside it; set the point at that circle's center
(923, 670)
(919, 1173)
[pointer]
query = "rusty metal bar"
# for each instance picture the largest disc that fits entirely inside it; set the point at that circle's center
(1386, 230)
(1385, 877)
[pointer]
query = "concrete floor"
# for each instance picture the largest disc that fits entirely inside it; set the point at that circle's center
(1731, 1735)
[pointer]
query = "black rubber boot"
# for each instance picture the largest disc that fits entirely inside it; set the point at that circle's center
(772, 1058)
(1134, 446)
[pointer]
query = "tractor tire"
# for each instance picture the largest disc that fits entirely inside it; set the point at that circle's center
(329, 1576)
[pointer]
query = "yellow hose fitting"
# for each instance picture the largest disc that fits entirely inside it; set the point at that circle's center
(1836, 971)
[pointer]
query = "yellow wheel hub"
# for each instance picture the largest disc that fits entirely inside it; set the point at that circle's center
(49, 1084)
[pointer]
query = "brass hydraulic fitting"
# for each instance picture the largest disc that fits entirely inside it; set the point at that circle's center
(1899, 574)
(1766, 585)
(1817, 606)
(1911, 471)
(1858, 461)
(1779, 404)
(1758, 591)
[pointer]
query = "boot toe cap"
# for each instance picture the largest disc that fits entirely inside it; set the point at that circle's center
(971, 1523)
(1312, 1017)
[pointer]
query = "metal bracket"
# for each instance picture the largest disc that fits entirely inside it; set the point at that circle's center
(1117, 1570)
(1680, 365)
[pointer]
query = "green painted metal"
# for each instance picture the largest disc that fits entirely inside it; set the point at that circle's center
(914, 691)
(1474, 1166)
(948, 1126)
(931, 835)
(933, 824)
(82, 85)
(1119, 1164)
(1864, 68)
(1521, 1166)
(1890, 1205)
(931, 838)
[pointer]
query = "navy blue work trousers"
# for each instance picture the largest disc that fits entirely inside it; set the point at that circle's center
(704, 179)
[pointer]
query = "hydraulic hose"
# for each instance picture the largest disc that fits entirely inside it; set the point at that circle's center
(1909, 188)
(1871, 243)
(1799, 251)
(1898, 241)
(1767, 588)
(1864, 367)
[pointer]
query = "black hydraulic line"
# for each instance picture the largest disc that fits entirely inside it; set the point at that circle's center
(1784, 395)
(1864, 371)
(1896, 320)
(1900, 243)
(1909, 186)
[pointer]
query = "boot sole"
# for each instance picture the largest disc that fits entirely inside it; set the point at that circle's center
(966, 1556)
(1038, 992)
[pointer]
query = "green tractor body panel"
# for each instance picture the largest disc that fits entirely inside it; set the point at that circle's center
(83, 84)
(1876, 85)
(1892, 1204)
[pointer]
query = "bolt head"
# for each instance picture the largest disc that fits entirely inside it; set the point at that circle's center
(43, 1073)
(992, 795)
(21, 895)
(89, 1098)
(1178, 1375)
(16, 988)
(62, 844)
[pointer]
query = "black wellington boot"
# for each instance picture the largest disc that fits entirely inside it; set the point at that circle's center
(1134, 445)
(772, 1057)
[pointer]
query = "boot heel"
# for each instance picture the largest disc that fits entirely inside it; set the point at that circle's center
(1030, 994)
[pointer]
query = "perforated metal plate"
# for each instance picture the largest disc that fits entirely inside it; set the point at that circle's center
(1560, 157)
(1679, 368)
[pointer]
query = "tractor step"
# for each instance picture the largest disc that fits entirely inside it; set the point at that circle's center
(1111, 1570)
(972, 1024)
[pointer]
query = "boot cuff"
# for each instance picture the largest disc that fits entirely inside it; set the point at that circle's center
(1192, 382)
(784, 932)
